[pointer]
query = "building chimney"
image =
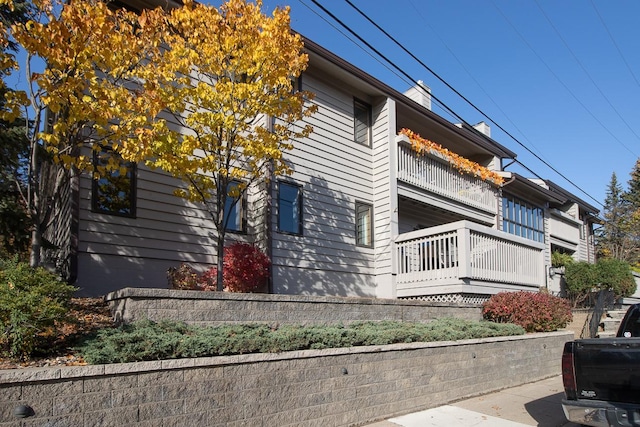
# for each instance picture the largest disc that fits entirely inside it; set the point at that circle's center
(420, 93)
(484, 128)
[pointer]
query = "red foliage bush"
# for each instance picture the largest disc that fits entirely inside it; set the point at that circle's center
(246, 269)
(535, 312)
(207, 281)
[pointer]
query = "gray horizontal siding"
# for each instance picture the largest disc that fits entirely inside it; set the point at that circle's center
(334, 172)
(315, 281)
(115, 251)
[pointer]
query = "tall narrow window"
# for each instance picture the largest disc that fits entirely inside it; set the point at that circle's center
(234, 208)
(364, 224)
(296, 84)
(114, 192)
(362, 122)
(289, 208)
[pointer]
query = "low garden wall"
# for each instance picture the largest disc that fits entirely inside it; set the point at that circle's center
(335, 387)
(210, 308)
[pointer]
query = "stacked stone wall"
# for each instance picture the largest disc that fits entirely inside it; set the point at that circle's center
(335, 387)
(212, 308)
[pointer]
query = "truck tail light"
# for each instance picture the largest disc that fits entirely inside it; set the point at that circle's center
(568, 372)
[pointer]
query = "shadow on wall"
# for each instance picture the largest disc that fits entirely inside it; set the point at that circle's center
(324, 260)
(116, 252)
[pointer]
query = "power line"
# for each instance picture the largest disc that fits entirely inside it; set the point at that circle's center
(390, 69)
(393, 69)
(524, 40)
(380, 54)
(401, 46)
(466, 70)
(615, 44)
(589, 76)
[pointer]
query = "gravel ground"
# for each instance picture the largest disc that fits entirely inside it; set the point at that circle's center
(88, 315)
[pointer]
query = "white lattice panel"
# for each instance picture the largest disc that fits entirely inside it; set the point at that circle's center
(453, 298)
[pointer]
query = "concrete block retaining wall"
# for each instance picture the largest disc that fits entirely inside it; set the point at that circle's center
(212, 308)
(336, 387)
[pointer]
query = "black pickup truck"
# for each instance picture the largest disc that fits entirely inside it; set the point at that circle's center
(602, 377)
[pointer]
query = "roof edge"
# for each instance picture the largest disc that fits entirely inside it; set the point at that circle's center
(466, 131)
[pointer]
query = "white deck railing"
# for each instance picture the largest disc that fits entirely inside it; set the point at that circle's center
(464, 250)
(431, 172)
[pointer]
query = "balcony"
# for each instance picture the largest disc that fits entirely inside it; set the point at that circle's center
(434, 174)
(466, 257)
(564, 230)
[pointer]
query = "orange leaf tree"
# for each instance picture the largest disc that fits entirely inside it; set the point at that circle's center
(203, 93)
(235, 112)
(93, 91)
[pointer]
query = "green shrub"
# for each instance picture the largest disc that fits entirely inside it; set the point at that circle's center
(33, 303)
(535, 312)
(146, 340)
(581, 278)
(559, 259)
(615, 275)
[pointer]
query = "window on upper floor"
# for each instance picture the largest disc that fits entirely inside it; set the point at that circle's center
(234, 208)
(296, 86)
(114, 192)
(364, 224)
(522, 219)
(289, 208)
(362, 122)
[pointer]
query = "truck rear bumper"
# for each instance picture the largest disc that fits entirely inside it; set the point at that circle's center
(601, 414)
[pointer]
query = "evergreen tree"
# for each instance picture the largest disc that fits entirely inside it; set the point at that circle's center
(14, 220)
(612, 240)
(632, 198)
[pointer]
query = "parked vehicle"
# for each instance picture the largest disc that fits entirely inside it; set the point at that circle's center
(602, 377)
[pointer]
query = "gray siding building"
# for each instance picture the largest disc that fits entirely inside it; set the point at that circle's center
(362, 214)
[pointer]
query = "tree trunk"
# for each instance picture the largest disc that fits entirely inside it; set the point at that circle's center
(219, 281)
(36, 246)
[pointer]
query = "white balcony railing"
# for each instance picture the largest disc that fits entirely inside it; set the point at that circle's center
(431, 172)
(462, 251)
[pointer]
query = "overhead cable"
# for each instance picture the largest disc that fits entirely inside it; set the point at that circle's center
(394, 40)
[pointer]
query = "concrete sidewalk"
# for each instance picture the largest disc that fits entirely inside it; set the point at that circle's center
(535, 404)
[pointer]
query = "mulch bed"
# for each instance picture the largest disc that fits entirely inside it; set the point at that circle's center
(87, 316)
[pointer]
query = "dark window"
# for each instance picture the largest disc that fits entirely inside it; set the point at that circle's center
(364, 224)
(234, 208)
(362, 122)
(522, 219)
(296, 84)
(289, 208)
(114, 192)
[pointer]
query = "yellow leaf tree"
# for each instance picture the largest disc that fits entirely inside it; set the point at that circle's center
(239, 110)
(206, 94)
(90, 94)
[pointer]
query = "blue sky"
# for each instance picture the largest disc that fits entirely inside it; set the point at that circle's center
(560, 76)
